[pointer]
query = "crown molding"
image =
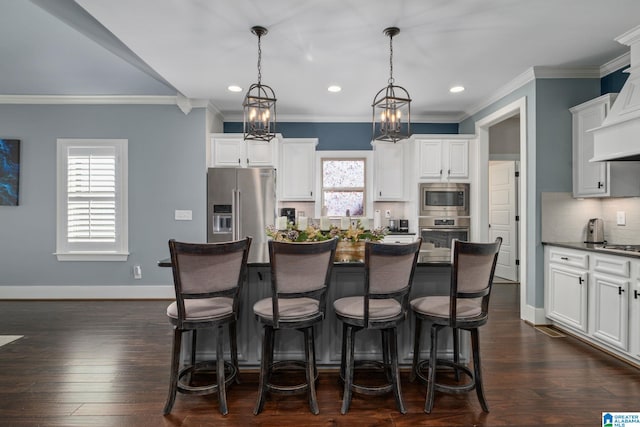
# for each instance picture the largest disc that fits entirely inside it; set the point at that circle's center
(294, 118)
(615, 64)
(88, 99)
(566, 73)
(519, 81)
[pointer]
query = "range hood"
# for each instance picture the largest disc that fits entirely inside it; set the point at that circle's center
(618, 138)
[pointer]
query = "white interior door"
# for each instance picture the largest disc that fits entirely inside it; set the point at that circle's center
(503, 210)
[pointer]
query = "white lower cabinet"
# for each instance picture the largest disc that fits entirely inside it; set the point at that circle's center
(567, 290)
(595, 295)
(398, 238)
(611, 300)
(634, 309)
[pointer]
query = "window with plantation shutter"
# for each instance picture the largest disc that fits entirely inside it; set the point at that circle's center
(92, 200)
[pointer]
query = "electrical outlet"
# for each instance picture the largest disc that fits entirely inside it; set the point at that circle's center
(387, 213)
(183, 215)
(621, 218)
(137, 272)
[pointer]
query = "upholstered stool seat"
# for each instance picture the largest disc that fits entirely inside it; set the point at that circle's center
(389, 272)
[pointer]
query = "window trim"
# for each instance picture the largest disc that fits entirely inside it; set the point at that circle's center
(367, 155)
(118, 251)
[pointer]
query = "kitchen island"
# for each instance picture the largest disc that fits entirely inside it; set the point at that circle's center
(347, 279)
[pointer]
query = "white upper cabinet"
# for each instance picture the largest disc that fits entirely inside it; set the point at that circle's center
(388, 171)
(598, 179)
(443, 159)
(296, 175)
(231, 150)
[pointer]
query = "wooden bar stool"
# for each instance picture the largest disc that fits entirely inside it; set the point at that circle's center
(389, 272)
(300, 277)
(207, 279)
(467, 308)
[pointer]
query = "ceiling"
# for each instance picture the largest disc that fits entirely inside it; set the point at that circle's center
(200, 47)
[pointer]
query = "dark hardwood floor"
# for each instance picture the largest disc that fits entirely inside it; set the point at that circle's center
(105, 363)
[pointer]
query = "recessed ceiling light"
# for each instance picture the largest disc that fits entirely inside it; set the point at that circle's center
(456, 89)
(334, 88)
(234, 88)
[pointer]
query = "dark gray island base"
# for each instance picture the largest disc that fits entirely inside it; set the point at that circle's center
(347, 280)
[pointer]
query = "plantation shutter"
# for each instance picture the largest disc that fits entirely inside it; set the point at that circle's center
(91, 195)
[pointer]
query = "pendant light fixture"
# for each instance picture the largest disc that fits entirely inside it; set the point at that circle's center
(259, 103)
(391, 105)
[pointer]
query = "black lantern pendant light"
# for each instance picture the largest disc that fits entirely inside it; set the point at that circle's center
(259, 104)
(391, 105)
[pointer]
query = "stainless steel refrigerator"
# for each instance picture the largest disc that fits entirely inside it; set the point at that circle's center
(240, 203)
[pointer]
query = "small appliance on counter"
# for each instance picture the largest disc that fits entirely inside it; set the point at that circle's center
(393, 225)
(403, 226)
(290, 213)
(595, 231)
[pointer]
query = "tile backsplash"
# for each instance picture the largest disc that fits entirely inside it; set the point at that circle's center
(564, 219)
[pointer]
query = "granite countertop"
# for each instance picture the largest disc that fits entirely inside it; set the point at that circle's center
(593, 247)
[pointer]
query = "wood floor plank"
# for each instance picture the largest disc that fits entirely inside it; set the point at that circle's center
(106, 364)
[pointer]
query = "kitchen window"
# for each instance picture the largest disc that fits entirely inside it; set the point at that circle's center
(343, 186)
(92, 186)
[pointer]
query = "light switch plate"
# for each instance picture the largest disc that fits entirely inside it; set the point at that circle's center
(183, 215)
(621, 218)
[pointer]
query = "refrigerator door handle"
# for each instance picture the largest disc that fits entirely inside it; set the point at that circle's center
(234, 215)
(238, 216)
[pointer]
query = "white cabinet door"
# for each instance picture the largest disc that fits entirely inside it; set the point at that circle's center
(232, 150)
(458, 160)
(297, 169)
(589, 178)
(443, 160)
(634, 315)
(388, 172)
(611, 315)
(261, 153)
(430, 159)
(228, 152)
(566, 288)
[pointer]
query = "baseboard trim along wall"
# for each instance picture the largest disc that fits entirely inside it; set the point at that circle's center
(86, 292)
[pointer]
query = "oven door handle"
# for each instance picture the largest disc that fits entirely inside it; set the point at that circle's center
(445, 229)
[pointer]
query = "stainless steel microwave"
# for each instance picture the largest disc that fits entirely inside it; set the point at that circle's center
(444, 199)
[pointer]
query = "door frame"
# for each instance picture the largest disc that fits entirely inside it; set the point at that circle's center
(481, 219)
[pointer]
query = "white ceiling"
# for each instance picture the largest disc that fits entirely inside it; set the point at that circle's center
(199, 47)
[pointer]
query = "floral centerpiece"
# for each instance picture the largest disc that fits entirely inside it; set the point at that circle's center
(350, 241)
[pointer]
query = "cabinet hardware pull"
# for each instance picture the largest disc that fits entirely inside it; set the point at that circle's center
(381, 193)
(238, 160)
(636, 294)
(600, 185)
(580, 280)
(449, 172)
(260, 276)
(311, 193)
(564, 258)
(620, 290)
(440, 171)
(247, 161)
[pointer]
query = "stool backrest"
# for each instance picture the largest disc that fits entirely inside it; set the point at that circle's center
(300, 269)
(207, 270)
(389, 270)
(472, 273)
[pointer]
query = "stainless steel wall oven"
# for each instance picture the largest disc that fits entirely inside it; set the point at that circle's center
(437, 234)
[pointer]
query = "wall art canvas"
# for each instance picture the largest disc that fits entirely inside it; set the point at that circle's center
(9, 171)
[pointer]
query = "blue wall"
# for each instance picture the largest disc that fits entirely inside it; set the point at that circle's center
(167, 164)
(341, 136)
(612, 83)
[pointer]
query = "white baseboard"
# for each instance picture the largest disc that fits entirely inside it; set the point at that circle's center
(86, 292)
(533, 315)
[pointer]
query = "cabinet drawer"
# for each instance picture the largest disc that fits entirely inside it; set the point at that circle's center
(398, 239)
(567, 257)
(617, 266)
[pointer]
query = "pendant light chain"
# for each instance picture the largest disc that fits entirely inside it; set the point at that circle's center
(259, 59)
(391, 80)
